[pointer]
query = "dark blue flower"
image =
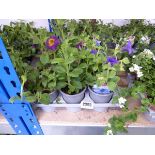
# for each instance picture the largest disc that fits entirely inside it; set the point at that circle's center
(112, 60)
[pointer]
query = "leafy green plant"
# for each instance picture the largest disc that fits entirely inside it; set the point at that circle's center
(68, 69)
(118, 124)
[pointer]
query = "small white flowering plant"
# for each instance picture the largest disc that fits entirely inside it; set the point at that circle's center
(137, 69)
(145, 65)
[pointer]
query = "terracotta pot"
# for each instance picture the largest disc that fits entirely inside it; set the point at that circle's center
(122, 74)
(152, 107)
(133, 103)
(123, 82)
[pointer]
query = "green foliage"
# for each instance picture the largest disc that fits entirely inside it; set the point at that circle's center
(118, 123)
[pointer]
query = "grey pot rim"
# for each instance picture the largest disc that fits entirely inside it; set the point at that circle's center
(52, 92)
(83, 91)
(89, 88)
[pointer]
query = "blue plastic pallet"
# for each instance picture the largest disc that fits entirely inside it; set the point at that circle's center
(19, 114)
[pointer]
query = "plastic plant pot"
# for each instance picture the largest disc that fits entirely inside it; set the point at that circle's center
(73, 99)
(53, 96)
(44, 107)
(100, 98)
(47, 108)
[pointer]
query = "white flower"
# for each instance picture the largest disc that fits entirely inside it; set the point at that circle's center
(131, 69)
(117, 46)
(133, 56)
(121, 106)
(148, 52)
(145, 39)
(122, 100)
(109, 132)
(139, 74)
(109, 125)
(136, 67)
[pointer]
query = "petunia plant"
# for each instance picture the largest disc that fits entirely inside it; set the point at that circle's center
(68, 69)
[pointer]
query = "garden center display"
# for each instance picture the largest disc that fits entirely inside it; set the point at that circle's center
(79, 58)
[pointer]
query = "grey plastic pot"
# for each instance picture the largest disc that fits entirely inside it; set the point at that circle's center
(53, 96)
(73, 99)
(47, 108)
(100, 98)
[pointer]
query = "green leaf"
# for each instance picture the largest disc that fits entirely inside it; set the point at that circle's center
(57, 60)
(44, 58)
(112, 74)
(76, 72)
(44, 98)
(44, 83)
(61, 85)
(27, 93)
(60, 69)
(126, 61)
(77, 84)
(51, 85)
(112, 85)
(31, 99)
(83, 65)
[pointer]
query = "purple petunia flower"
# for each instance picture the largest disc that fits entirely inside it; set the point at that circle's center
(52, 43)
(93, 51)
(98, 43)
(112, 60)
(79, 45)
(128, 48)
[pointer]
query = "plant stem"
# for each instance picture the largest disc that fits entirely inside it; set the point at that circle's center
(68, 77)
(107, 74)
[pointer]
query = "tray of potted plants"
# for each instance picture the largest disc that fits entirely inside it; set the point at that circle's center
(86, 65)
